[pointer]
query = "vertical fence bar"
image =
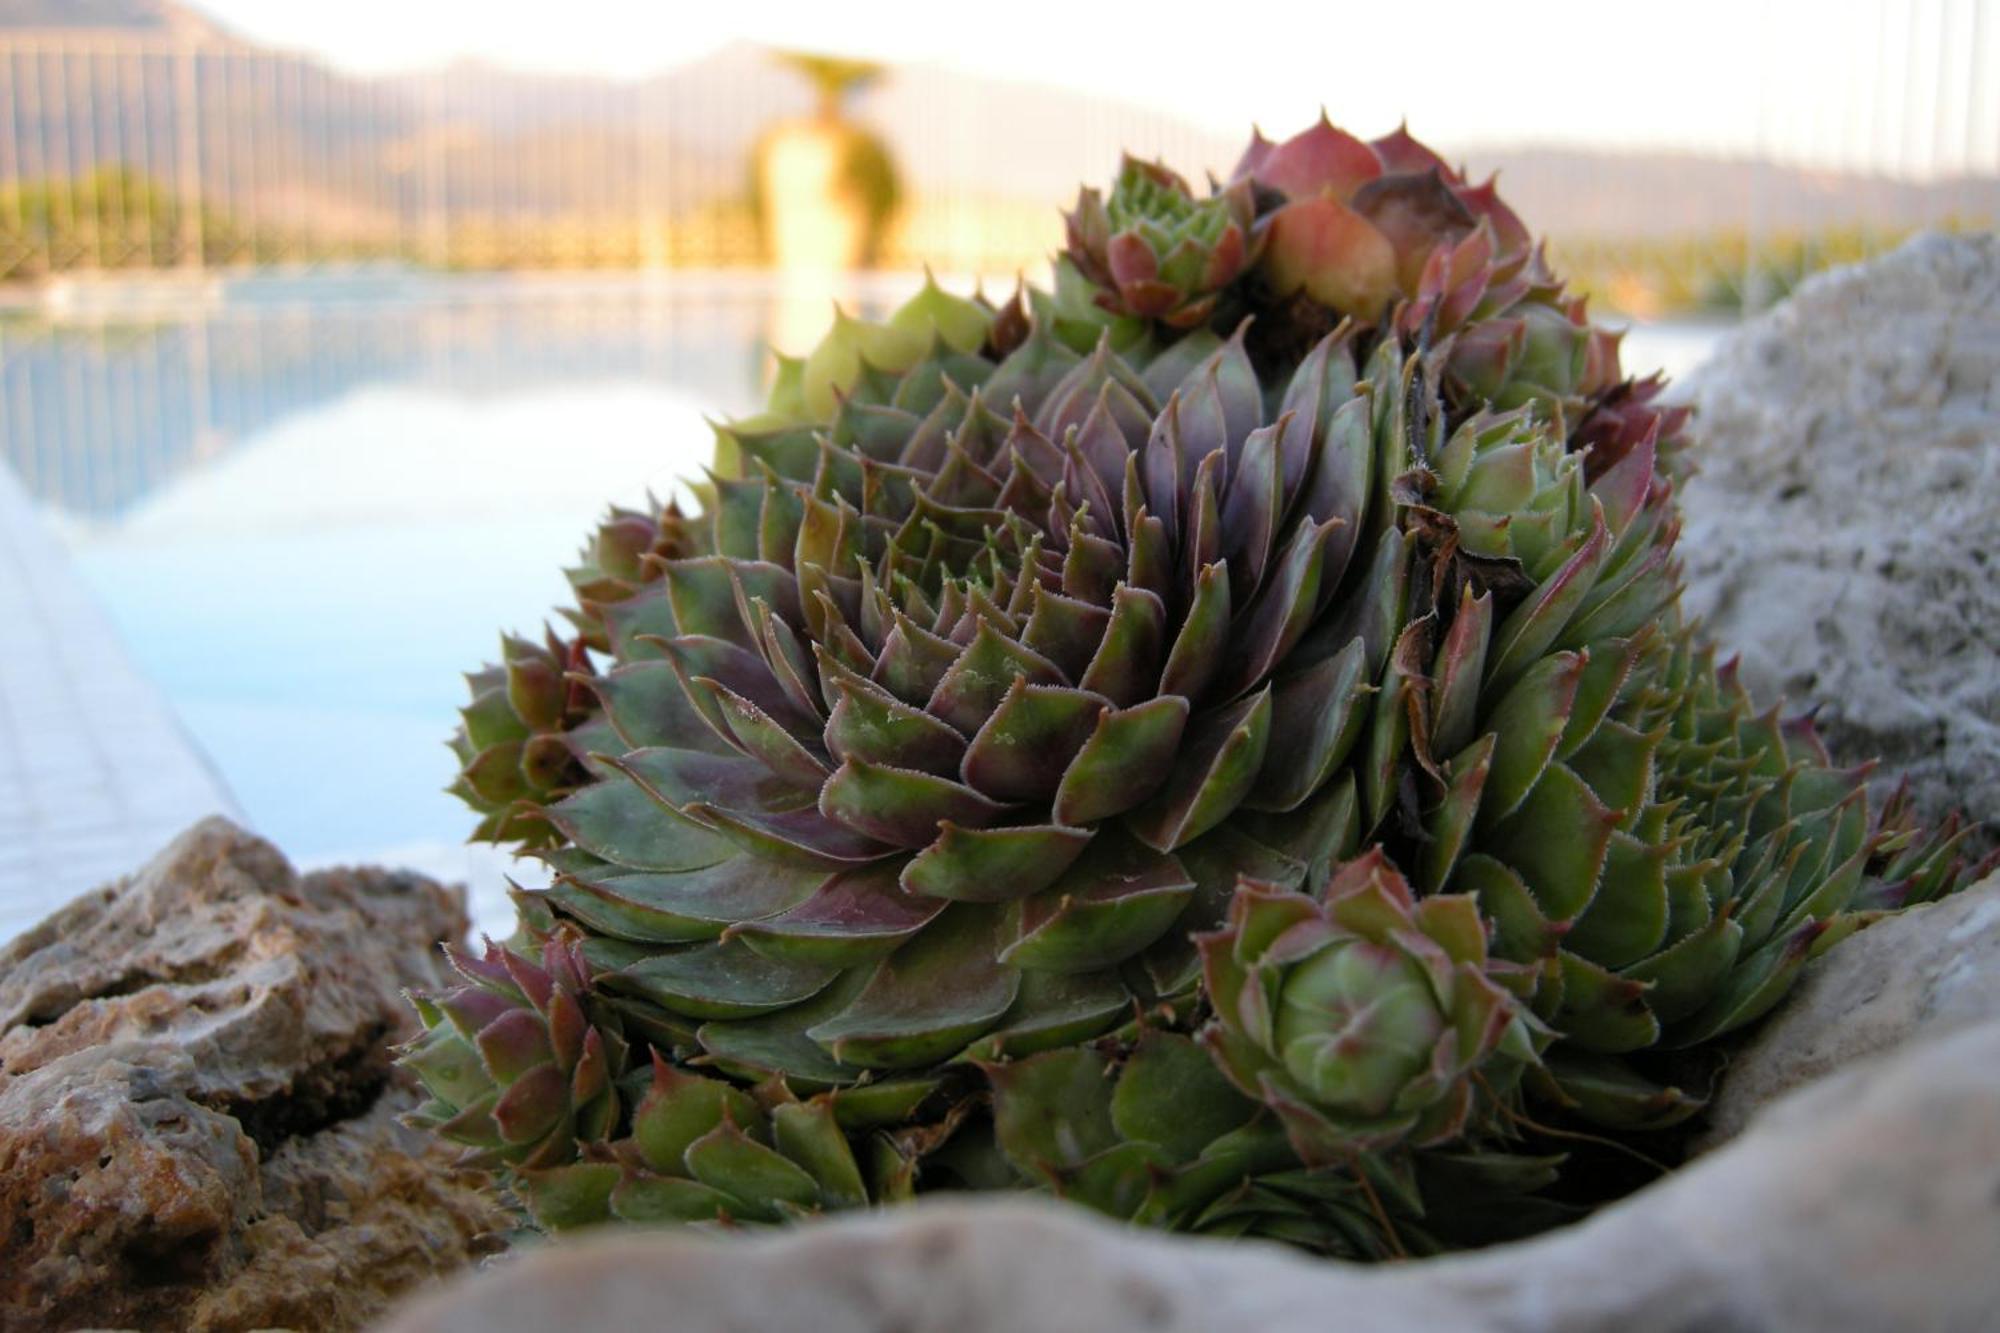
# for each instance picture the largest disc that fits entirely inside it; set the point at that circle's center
(1751, 293)
(40, 235)
(1981, 120)
(187, 154)
(63, 183)
(13, 263)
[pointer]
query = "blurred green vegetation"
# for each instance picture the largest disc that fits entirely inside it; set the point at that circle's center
(1717, 273)
(111, 218)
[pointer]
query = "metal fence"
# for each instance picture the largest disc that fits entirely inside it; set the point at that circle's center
(130, 151)
(179, 152)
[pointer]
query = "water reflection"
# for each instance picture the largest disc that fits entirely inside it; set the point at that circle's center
(309, 509)
(99, 412)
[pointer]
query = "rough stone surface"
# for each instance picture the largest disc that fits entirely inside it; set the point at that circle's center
(1844, 530)
(1917, 975)
(197, 1104)
(1868, 1201)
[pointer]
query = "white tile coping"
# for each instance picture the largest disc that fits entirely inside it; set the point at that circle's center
(96, 773)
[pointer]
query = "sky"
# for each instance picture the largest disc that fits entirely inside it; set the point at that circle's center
(1911, 86)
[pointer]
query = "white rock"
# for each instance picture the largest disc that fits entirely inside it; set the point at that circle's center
(1844, 531)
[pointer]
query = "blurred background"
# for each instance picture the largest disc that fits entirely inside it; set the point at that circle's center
(325, 330)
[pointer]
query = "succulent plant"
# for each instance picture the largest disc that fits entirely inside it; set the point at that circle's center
(1236, 779)
(621, 557)
(515, 743)
(518, 1068)
(1148, 1128)
(703, 1150)
(1362, 1016)
(936, 732)
(922, 738)
(1686, 856)
(1387, 233)
(1354, 225)
(523, 739)
(1915, 864)
(1155, 250)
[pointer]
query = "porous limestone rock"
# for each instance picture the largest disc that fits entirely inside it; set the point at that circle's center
(198, 1107)
(1843, 532)
(1868, 1201)
(1920, 974)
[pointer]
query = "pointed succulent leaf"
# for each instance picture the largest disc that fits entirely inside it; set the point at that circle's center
(993, 864)
(1215, 771)
(849, 919)
(720, 980)
(1126, 759)
(683, 906)
(1026, 746)
(617, 820)
(1526, 725)
(929, 998)
(1052, 1010)
(1117, 898)
(900, 806)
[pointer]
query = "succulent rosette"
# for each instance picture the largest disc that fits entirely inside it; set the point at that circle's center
(515, 743)
(1363, 1016)
(523, 739)
(1157, 251)
(1153, 1132)
(1015, 649)
(1149, 1127)
(925, 736)
(621, 557)
(1654, 931)
(1916, 863)
(1386, 232)
(1355, 225)
(518, 1067)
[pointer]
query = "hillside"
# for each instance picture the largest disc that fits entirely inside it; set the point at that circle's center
(153, 17)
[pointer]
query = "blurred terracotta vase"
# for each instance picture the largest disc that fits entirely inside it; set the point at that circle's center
(825, 188)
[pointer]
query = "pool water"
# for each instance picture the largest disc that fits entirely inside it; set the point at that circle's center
(309, 507)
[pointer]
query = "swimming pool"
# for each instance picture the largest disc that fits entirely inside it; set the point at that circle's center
(309, 504)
